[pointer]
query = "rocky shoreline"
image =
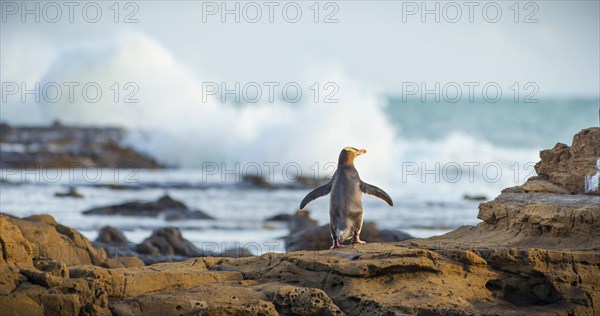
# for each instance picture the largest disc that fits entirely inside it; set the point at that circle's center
(536, 252)
(59, 146)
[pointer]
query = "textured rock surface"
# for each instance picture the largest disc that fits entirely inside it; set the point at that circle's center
(469, 274)
(567, 166)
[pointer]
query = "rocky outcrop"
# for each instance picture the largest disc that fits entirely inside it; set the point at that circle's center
(567, 167)
(172, 209)
(59, 146)
(164, 245)
(548, 210)
(535, 253)
(168, 242)
(307, 234)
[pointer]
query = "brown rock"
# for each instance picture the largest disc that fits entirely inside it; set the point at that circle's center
(567, 166)
(168, 242)
(44, 279)
(59, 146)
(111, 236)
(15, 253)
(58, 242)
(15, 248)
(543, 186)
(538, 220)
(20, 304)
(55, 268)
(293, 300)
(200, 300)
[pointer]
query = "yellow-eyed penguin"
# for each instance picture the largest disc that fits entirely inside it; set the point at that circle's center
(345, 206)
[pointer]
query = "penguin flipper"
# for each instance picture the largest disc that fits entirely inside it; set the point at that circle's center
(376, 192)
(315, 194)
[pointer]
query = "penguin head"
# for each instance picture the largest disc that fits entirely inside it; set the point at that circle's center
(348, 154)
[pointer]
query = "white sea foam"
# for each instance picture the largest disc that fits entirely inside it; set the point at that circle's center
(173, 124)
(591, 181)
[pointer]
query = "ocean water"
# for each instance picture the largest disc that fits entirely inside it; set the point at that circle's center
(426, 155)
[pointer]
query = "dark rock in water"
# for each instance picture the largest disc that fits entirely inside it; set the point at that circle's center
(178, 215)
(116, 186)
(164, 245)
(258, 181)
(301, 220)
(168, 242)
(310, 182)
(114, 242)
(111, 236)
(385, 235)
(279, 218)
(59, 146)
(306, 234)
(173, 209)
(477, 197)
(71, 193)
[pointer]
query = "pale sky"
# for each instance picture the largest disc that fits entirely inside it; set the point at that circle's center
(370, 42)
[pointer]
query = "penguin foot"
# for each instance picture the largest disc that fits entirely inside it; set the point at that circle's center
(356, 240)
(336, 244)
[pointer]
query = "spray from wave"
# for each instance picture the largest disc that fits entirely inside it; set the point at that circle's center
(173, 123)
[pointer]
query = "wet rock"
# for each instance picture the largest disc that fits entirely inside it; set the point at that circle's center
(477, 197)
(177, 215)
(301, 220)
(167, 206)
(111, 236)
(257, 181)
(59, 146)
(168, 242)
(310, 182)
(279, 218)
(300, 182)
(306, 234)
(71, 193)
(164, 245)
